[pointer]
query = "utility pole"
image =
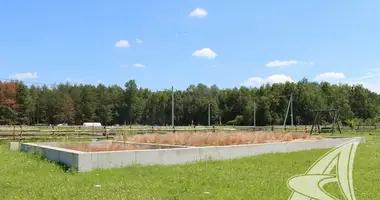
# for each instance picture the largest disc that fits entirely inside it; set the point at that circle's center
(172, 106)
(287, 112)
(254, 114)
(291, 108)
(209, 114)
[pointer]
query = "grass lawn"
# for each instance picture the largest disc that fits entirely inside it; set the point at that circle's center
(24, 176)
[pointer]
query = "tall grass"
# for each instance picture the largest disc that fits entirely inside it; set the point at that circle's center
(103, 147)
(216, 138)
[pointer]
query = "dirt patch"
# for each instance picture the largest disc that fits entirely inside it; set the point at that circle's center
(218, 138)
(103, 147)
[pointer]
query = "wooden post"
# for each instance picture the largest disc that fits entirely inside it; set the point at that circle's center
(314, 122)
(106, 132)
(20, 132)
(14, 132)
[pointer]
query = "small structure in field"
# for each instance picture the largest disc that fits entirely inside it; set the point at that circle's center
(92, 124)
(113, 154)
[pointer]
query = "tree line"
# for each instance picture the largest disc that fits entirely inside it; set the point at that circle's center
(76, 104)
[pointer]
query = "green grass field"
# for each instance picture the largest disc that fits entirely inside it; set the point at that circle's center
(25, 176)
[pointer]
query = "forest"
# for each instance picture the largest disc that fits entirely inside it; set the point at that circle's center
(77, 103)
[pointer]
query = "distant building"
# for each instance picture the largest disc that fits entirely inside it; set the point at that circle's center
(64, 124)
(92, 124)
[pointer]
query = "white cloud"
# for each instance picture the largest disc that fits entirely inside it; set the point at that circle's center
(205, 52)
(134, 65)
(330, 76)
(307, 63)
(367, 76)
(279, 78)
(374, 87)
(138, 65)
(258, 81)
(198, 12)
(74, 81)
(370, 74)
(21, 76)
(369, 80)
(122, 44)
(139, 41)
(278, 63)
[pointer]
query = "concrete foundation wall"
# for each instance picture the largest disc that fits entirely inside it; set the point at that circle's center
(87, 161)
(60, 155)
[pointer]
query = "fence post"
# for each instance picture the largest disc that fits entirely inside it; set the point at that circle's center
(14, 132)
(78, 133)
(20, 132)
(67, 135)
(53, 131)
(105, 132)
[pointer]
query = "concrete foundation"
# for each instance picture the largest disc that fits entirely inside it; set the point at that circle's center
(171, 154)
(14, 146)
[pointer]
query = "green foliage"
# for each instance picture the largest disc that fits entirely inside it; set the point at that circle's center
(352, 123)
(236, 122)
(75, 104)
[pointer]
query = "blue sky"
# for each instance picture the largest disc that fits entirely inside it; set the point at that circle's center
(228, 43)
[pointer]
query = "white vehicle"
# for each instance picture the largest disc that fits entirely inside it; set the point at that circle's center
(64, 124)
(92, 124)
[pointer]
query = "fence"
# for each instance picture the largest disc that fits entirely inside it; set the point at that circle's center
(108, 132)
(30, 132)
